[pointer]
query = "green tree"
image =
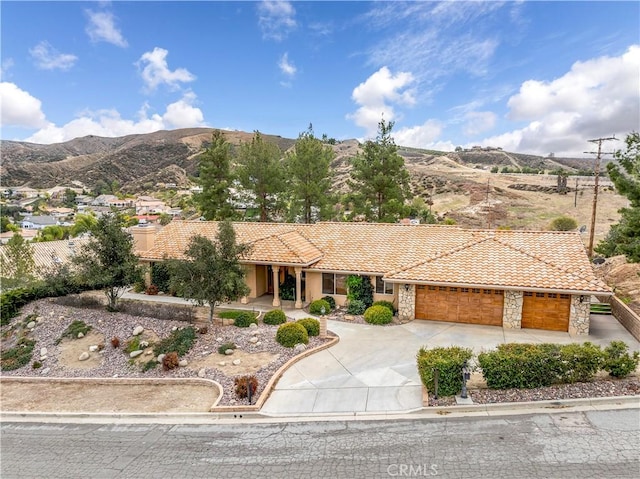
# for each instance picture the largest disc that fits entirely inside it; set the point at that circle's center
(164, 219)
(624, 237)
(83, 223)
(308, 170)
(211, 273)
(6, 225)
(215, 179)
(261, 172)
(17, 263)
(69, 198)
(108, 259)
(379, 180)
(563, 223)
(52, 233)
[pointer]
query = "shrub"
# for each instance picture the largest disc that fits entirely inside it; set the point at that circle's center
(170, 361)
(378, 315)
(75, 328)
(223, 347)
(138, 286)
(580, 362)
(115, 342)
(317, 306)
(275, 317)
(449, 363)
(563, 223)
(233, 314)
(360, 288)
(179, 341)
(331, 301)
(311, 325)
(36, 365)
(244, 319)
(132, 345)
(356, 307)
(161, 276)
(386, 304)
(245, 383)
(617, 361)
(288, 288)
(17, 356)
(526, 366)
(152, 290)
(149, 365)
(203, 330)
(290, 334)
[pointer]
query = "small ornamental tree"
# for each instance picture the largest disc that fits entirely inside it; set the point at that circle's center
(211, 273)
(17, 264)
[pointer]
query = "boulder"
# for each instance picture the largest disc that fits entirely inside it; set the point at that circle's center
(236, 362)
(175, 328)
(222, 363)
(80, 335)
(183, 363)
(138, 330)
(42, 358)
(298, 348)
(43, 351)
(135, 354)
(31, 325)
(229, 352)
(160, 357)
(148, 352)
(144, 344)
(93, 348)
(45, 371)
(253, 326)
(259, 343)
(253, 340)
(202, 372)
(219, 340)
(83, 356)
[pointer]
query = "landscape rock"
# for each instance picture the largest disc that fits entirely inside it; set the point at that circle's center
(349, 317)
(183, 363)
(219, 340)
(148, 352)
(253, 340)
(83, 356)
(222, 363)
(138, 330)
(31, 325)
(144, 344)
(175, 328)
(80, 335)
(259, 343)
(43, 351)
(229, 352)
(202, 372)
(160, 357)
(45, 371)
(39, 319)
(135, 354)
(298, 348)
(42, 358)
(253, 325)
(93, 348)
(236, 362)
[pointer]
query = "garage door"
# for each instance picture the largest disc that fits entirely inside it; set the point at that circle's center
(460, 305)
(546, 311)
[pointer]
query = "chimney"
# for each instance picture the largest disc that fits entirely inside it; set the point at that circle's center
(143, 237)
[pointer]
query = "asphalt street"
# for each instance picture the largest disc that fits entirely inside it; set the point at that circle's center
(591, 444)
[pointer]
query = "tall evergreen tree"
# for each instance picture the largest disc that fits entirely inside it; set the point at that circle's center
(624, 237)
(215, 179)
(308, 171)
(261, 172)
(379, 180)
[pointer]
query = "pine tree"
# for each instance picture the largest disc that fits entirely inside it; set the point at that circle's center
(215, 179)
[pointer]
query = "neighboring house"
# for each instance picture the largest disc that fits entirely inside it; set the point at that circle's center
(513, 279)
(48, 254)
(111, 201)
(25, 192)
(38, 222)
(146, 205)
(61, 212)
(28, 235)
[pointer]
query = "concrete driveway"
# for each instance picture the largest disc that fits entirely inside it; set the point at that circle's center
(373, 369)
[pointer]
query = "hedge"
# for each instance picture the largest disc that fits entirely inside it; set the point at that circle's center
(449, 363)
(311, 325)
(317, 306)
(378, 315)
(290, 334)
(274, 317)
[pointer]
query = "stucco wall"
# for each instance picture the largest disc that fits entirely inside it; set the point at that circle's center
(313, 286)
(512, 312)
(579, 315)
(250, 278)
(261, 279)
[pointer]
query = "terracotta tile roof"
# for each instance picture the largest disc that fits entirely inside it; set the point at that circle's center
(49, 253)
(412, 253)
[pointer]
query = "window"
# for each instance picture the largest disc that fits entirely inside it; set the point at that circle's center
(334, 283)
(564, 296)
(432, 288)
(528, 294)
(475, 290)
(539, 295)
(464, 290)
(453, 290)
(442, 288)
(382, 287)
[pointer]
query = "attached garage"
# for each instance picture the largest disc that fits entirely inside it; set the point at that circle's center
(460, 305)
(546, 311)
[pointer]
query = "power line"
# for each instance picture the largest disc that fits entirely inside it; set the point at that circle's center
(599, 153)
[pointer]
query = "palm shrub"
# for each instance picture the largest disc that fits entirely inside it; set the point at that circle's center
(386, 304)
(274, 317)
(618, 362)
(290, 334)
(318, 306)
(378, 315)
(449, 363)
(311, 325)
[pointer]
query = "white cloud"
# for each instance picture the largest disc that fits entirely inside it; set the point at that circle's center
(375, 94)
(598, 97)
(276, 19)
(5, 66)
(155, 70)
(102, 28)
(48, 58)
(421, 136)
(479, 122)
(287, 67)
(109, 123)
(19, 108)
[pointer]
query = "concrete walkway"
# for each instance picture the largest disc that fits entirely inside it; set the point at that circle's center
(373, 369)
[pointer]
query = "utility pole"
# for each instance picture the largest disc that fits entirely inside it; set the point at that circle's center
(599, 153)
(575, 198)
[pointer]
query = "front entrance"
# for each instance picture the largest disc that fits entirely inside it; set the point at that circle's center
(546, 311)
(460, 305)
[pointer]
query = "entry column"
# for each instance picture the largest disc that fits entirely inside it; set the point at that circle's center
(298, 304)
(276, 286)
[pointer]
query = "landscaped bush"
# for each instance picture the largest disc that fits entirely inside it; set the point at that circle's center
(36, 365)
(580, 362)
(386, 304)
(275, 317)
(161, 276)
(232, 314)
(317, 306)
(152, 290)
(132, 345)
(17, 356)
(449, 363)
(223, 347)
(360, 288)
(618, 362)
(521, 365)
(74, 329)
(245, 383)
(378, 315)
(149, 365)
(244, 319)
(311, 325)
(331, 301)
(179, 341)
(288, 288)
(170, 361)
(356, 307)
(290, 334)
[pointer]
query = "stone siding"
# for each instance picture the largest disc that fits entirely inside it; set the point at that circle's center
(512, 313)
(407, 303)
(579, 315)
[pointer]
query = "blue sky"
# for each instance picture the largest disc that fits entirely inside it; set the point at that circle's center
(534, 77)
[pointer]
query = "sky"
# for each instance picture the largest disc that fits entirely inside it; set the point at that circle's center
(527, 76)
